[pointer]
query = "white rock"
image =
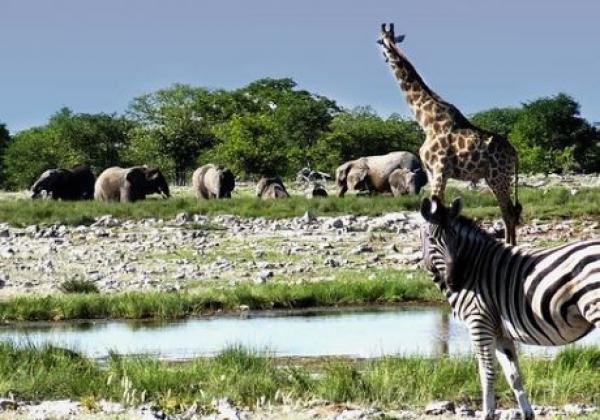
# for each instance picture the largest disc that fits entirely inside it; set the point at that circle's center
(439, 407)
(7, 252)
(262, 276)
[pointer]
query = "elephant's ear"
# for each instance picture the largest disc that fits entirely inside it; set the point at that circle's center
(342, 172)
(420, 179)
(152, 173)
(136, 176)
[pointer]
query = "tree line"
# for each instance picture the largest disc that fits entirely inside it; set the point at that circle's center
(271, 127)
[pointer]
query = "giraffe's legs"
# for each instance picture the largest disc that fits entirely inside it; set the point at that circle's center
(510, 214)
(438, 185)
(507, 356)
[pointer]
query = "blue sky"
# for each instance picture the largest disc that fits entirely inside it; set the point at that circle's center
(94, 56)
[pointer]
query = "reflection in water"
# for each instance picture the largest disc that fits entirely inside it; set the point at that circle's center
(443, 334)
(422, 331)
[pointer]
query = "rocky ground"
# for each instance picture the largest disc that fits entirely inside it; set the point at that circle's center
(197, 251)
(289, 410)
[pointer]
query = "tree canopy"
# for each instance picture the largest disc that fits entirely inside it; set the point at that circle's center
(271, 127)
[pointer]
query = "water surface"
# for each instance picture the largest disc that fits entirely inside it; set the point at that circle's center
(409, 331)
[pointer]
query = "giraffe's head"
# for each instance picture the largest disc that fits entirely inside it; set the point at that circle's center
(387, 38)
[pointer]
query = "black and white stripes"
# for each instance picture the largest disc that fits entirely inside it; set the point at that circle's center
(504, 294)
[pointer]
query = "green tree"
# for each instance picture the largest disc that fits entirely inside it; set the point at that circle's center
(361, 132)
(497, 120)
(551, 136)
(251, 145)
(301, 116)
(33, 151)
(97, 139)
(4, 141)
(176, 123)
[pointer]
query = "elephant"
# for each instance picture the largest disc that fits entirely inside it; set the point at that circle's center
(130, 184)
(76, 183)
(271, 188)
(213, 181)
(371, 174)
(404, 181)
(315, 190)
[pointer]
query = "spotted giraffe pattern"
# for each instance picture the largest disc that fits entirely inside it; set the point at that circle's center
(453, 147)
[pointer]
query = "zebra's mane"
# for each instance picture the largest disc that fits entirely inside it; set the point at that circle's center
(470, 230)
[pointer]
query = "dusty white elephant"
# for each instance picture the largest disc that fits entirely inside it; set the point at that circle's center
(213, 181)
(372, 173)
(130, 184)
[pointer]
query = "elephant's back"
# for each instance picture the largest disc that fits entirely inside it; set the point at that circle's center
(109, 182)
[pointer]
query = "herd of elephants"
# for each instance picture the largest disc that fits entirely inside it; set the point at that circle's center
(396, 172)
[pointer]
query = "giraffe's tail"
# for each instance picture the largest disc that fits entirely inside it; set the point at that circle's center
(518, 208)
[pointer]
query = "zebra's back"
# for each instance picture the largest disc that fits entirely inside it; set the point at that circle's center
(556, 294)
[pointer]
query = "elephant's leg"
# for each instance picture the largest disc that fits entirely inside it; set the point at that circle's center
(507, 356)
(125, 195)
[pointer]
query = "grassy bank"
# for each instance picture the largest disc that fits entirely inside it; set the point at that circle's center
(245, 376)
(557, 202)
(388, 287)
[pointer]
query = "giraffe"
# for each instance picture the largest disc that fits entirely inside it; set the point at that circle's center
(453, 147)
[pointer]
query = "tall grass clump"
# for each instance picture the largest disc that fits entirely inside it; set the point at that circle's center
(78, 286)
(388, 287)
(246, 376)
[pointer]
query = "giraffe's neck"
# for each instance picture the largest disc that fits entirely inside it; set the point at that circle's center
(431, 112)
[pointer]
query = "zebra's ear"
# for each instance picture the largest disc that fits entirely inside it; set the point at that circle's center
(426, 209)
(457, 206)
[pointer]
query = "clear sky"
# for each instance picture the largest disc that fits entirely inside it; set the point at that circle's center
(95, 55)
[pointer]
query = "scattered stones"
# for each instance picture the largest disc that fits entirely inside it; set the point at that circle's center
(6, 404)
(227, 411)
(362, 248)
(464, 410)
(308, 217)
(6, 252)
(578, 409)
(183, 218)
(437, 408)
(106, 221)
(262, 276)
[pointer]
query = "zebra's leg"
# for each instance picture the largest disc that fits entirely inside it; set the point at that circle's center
(485, 346)
(507, 356)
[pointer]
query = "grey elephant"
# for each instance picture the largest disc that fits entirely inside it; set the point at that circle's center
(315, 190)
(371, 174)
(130, 184)
(404, 181)
(76, 183)
(271, 188)
(213, 181)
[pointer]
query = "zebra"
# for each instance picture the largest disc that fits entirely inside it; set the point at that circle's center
(505, 295)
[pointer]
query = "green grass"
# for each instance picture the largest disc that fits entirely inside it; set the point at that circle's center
(78, 286)
(246, 376)
(388, 287)
(555, 203)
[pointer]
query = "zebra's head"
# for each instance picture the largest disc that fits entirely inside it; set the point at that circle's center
(439, 241)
